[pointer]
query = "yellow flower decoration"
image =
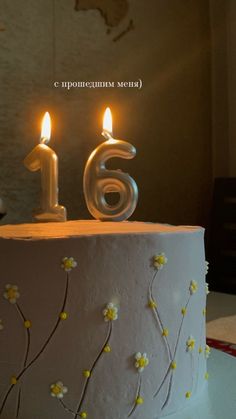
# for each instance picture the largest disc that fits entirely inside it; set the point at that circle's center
(13, 380)
(11, 294)
(139, 400)
(184, 311)
(58, 390)
(152, 304)
(193, 287)
(188, 394)
(190, 344)
(83, 415)
(207, 351)
(165, 332)
(141, 361)
(173, 365)
(27, 324)
(160, 260)
(63, 315)
(107, 349)
(110, 313)
(68, 264)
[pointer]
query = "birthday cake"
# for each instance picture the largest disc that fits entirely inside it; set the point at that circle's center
(101, 320)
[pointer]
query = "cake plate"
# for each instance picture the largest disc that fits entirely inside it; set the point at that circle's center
(219, 400)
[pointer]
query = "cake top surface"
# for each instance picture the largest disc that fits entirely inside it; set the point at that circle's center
(37, 231)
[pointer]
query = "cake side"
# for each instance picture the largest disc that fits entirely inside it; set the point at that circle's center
(142, 356)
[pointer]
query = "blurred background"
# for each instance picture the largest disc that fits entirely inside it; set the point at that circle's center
(182, 121)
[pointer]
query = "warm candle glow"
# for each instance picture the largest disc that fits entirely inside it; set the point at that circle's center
(107, 121)
(46, 129)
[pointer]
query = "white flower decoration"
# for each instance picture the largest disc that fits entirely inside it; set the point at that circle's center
(207, 289)
(58, 390)
(68, 264)
(141, 361)
(11, 294)
(160, 260)
(193, 287)
(110, 313)
(1, 324)
(207, 351)
(206, 267)
(190, 344)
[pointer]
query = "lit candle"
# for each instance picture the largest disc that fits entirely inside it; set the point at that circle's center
(99, 181)
(45, 159)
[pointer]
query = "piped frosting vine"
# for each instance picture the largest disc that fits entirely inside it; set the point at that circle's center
(203, 348)
(58, 390)
(193, 288)
(12, 295)
(158, 263)
(141, 361)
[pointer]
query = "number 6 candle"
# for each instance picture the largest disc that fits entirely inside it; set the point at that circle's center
(45, 159)
(99, 181)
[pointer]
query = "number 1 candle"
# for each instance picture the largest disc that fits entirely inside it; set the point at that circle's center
(45, 159)
(99, 181)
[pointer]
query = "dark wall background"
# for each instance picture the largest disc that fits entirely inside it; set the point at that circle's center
(168, 120)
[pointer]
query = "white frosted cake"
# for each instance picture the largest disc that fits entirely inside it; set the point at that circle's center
(101, 320)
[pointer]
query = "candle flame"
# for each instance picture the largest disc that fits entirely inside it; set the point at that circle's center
(46, 129)
(107, 121)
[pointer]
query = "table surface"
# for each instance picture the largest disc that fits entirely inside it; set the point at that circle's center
(219, 400)
(221, 317)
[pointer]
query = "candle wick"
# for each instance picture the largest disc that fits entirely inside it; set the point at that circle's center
(107, 135)
(44, 140)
